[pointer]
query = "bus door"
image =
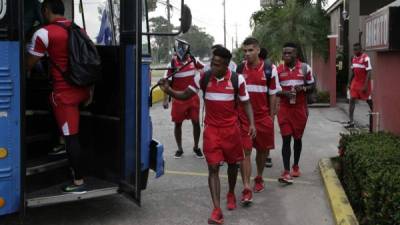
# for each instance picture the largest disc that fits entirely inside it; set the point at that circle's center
(10, 117)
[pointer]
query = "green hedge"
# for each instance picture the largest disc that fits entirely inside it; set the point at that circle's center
(370, 174)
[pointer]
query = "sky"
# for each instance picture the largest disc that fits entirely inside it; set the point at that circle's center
(208, 14)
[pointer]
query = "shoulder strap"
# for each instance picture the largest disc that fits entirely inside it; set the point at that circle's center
(268, 71)
(235, 84)
(204, 82)
(239, 68)
(304, 68)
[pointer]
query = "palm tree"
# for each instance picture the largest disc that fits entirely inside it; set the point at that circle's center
(296, 21)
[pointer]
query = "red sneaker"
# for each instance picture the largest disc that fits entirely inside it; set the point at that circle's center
(286, 178)
(295, 171)
(230, 201)
(258, 184)
(247, 197)
(216, 217)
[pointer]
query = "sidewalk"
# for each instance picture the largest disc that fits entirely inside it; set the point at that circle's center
(361, 116)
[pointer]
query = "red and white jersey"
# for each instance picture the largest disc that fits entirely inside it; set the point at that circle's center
(183, 78)
(220, 104)
(290, 77)
(256, 83)
(360, 65)
(52, 40)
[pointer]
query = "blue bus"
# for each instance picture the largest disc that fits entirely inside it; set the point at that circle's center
(115, 132)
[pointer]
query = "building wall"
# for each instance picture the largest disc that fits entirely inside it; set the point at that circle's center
(386, 95)
(336, 26)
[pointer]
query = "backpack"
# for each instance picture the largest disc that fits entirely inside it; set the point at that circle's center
(84, 63)
(311, 95)
(234, 79)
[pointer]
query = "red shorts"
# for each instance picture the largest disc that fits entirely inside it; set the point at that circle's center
(65, 106)
(185, 110)
(359, 94)
(264, 140)
(222, 145)
(292, 120)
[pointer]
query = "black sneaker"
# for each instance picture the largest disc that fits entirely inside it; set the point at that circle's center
(349, 125)
(268, 162)
(178, 154)
(58, 150)
(75, 189)
(198, 153)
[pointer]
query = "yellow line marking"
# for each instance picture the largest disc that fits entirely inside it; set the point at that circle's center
(197, 174)
(342, 211)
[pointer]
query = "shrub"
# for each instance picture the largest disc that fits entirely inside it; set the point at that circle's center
(370, 175)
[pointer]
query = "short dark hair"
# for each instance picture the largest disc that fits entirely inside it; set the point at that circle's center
(223, 53)
(251, 41)
(217, 46)
(290, 45)
(55, 6)
(263, 53)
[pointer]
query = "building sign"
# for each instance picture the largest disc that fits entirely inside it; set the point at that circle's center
(3, 8)
(380, 30)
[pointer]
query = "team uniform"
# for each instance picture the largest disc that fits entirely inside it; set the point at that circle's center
(184, 109)
(360, 66)
(65, 99)
(256, 83)
(292, 118)
(221, 142)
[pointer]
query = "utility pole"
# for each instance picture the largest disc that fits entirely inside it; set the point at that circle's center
(223, 3)
(236, 26)
(169, 22)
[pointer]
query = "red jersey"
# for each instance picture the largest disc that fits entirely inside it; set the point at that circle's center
(360, 66)
(290, 77)
(183, 78)
(256, 84)
(52, 40)
(220, 99)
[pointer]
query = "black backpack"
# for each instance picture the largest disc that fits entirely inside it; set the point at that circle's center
(311, 95)
(234, 79)
(84, 63)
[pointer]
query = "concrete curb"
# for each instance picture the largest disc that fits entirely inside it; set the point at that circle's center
(319, 105)
(158, 95)
(342, 211)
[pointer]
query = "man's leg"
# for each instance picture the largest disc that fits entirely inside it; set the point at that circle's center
(178, 139)
(261, 157)
(268, 160)
(286, 153)
(196, 137)
(297, 146)
(214, 184)
(232, 178)
(352, 106)
(245, 169)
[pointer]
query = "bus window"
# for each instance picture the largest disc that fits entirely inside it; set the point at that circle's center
(96, 17)
(145, 29)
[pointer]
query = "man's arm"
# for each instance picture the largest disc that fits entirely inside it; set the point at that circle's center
(249, 112)
(181, 95)
(32, 60)
(272, 105)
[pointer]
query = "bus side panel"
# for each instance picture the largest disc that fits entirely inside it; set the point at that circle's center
(145, 120)
(10, 123)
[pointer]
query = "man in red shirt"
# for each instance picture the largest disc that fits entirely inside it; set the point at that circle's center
(52, 40)
(360, 81)
(262, 91)
(296, 80)
(187, 109)
(221, 132)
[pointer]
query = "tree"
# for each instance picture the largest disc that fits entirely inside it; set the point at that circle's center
(151, 5)
(296, 21)
(161, 52)
(200, 41)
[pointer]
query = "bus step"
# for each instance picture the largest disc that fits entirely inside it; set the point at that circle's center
(54, 194)
(45, 164)
(39, 137)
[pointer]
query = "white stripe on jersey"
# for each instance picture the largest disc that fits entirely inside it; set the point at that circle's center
(286, 83)
(356, 65)
(257, 88)
(188, 73)
(219, 96)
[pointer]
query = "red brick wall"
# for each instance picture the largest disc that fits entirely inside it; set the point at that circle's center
(386, 93)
